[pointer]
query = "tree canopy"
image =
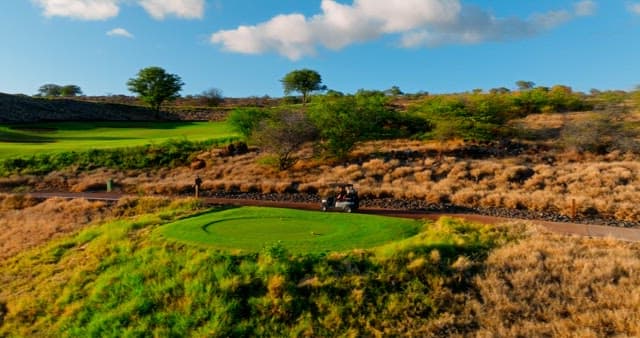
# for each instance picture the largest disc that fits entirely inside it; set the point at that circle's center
(154, 86)
(51, 89)
(525, 85)
(282, 134)
(303, 81)
(211, 97)
(342, 121)
(246, 119)
(70, 90)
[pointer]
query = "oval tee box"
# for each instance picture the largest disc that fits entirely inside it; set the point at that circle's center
(249, 229)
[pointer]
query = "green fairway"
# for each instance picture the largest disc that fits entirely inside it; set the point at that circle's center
(28, 139)
(251, 228)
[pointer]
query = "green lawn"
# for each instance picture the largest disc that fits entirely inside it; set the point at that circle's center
(28, 139)
(252, 228)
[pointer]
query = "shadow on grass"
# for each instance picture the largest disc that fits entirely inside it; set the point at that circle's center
(205, 227)
(90, 125)
(217, 208)
(13, 137)
(97, 138)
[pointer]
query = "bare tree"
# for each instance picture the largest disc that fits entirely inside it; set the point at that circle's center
(283, 135)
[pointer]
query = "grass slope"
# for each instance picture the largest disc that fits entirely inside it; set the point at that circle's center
(29, 139)
(119, 280)
(252, 228)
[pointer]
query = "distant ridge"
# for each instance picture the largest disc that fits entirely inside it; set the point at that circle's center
(22, 108)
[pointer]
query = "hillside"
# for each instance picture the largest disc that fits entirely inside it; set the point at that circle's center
(123, 277)
(22, 108)
(142, 265)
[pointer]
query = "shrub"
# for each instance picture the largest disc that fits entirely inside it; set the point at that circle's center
(283, 134)
(211, 97)
(600, 133)
(482, 116)
(342, 121)
(246, 120)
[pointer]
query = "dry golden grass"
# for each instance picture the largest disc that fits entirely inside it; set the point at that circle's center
(608, 185)
(26, 222)
(550, 285)
(29, 225)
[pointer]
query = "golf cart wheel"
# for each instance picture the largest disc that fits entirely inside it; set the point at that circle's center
(323, 208)
(347, 209)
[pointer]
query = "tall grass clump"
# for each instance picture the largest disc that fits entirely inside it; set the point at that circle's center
(550, 285)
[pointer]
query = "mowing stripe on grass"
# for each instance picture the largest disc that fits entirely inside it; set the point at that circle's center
(19, 140)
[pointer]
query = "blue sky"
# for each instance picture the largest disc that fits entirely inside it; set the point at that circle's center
(244, 47)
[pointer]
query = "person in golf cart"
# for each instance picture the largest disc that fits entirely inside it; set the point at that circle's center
(346, 199)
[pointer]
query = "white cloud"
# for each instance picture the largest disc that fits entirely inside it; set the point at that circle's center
(187, 9)
(634, 8)
(551, 19)
(105, 9)
(80, 9)
(120, 32)
(417, 22)
(338, 25)
(403, 15)
(585, 8)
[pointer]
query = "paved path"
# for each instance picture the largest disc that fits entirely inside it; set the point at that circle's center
(627, 234)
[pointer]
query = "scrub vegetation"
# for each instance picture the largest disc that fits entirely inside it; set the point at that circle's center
(453, 278)
(118, 278)
(161, 267)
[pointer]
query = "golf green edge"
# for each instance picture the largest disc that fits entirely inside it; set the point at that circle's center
(249, 229)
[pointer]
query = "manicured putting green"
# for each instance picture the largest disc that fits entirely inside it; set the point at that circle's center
(252, 228)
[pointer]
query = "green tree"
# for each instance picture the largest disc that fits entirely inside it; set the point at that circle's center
(154, 86)
(394, 91)
(525, 85)
(563, 98)
(303, 81)
(70, 90)
(246, 120)
(600, 133)
(50, 89)
(342, 121)
(499, 90)
(211, 97)
(468, 116)
(531, 101)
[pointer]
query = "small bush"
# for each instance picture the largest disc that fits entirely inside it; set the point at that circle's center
(246, 120)
(600, 133)
(211, 97)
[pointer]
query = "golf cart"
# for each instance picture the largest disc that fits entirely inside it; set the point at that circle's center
(342, 197)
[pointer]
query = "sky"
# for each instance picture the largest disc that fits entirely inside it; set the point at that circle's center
(245, 47)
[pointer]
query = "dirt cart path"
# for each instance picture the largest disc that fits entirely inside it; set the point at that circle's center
(626, 234)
